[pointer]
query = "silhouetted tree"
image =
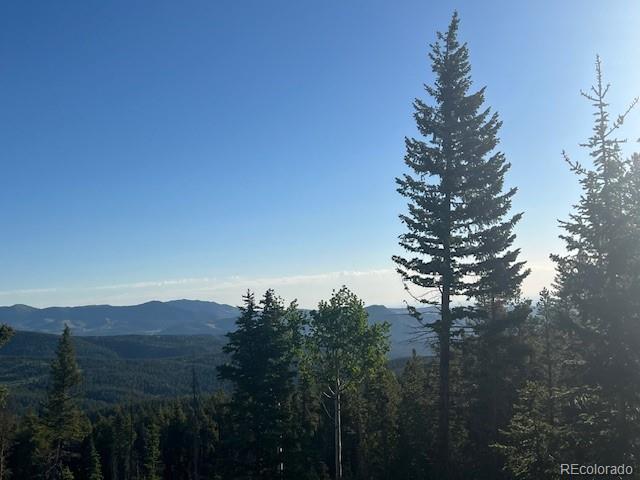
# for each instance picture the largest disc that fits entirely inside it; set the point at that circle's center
(458, 238)
(598, 283)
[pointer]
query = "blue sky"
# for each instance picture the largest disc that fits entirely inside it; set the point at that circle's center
(194, 149)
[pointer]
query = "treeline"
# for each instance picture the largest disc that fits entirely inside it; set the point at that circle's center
(514, 390)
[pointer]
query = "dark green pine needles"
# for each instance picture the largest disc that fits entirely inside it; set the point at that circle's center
(459, 236)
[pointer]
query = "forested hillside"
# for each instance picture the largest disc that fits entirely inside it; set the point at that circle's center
(115, 369)
(178, 317)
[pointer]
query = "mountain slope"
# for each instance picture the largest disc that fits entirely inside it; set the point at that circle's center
(179, 317)
(115, 369)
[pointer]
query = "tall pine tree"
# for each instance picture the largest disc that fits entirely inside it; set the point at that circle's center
(598, 282)
(458, 239)
(64, 424)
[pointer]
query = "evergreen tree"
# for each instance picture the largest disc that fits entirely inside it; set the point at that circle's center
(7, 430)
(104, 442)
(375, 413)
(124, 437)
(458, 238)
(495, 366)
(415, 421)
(64, 423)
(196, 415)
(343, 349)
(176, 447)
(92, 469)
(261, 372)
(26, 458)
(532, 442)
(66, 474)
(151, 455)
(6, 332)
(537, 437)
(598, 281)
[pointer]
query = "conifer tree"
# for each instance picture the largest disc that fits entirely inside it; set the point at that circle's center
(536, 438)
(458, 238)
(151, 454)
(260, 370)
(598, 281)
(495, 367)
(196, 415)
(124, 437)
(415, 421)
(7, 420)
(343, 349)
(64, 423)
(375, 409)
(91, 459)
(6, 332)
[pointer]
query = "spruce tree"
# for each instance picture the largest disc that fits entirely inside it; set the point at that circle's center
(537, 436)
(458, 238)
(261, 373)
(92, 468)
(64, 424)
(598, 282)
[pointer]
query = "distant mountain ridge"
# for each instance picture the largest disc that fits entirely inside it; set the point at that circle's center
(179, 317)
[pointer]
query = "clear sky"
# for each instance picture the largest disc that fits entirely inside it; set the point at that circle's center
(162, 149)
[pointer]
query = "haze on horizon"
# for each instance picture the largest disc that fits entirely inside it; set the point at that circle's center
(154, 151)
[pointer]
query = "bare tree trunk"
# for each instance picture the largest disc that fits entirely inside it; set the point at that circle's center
(443, 407)
(445, 356)
(338, 430)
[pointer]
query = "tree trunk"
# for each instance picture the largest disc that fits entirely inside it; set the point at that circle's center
(443, 397)
(445, 354)
(2, 456)
(338, 431)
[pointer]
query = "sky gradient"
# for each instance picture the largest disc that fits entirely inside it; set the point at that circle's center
(161, 150)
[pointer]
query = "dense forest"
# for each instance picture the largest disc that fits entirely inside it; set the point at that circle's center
(514, 389)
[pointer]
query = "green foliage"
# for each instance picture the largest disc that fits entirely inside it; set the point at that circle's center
(374, 410)
(92, 469)
(6, 333)
(151, 449)
(532, 442)
(64, 425)
(115, 369)
(416, 442)
(598, 286)
(495, 366)
(459, 237)
(511, 394)
(342, 351)
(342, 348)
(262, 353)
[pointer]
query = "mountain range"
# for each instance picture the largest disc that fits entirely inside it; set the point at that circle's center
(178, 317)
